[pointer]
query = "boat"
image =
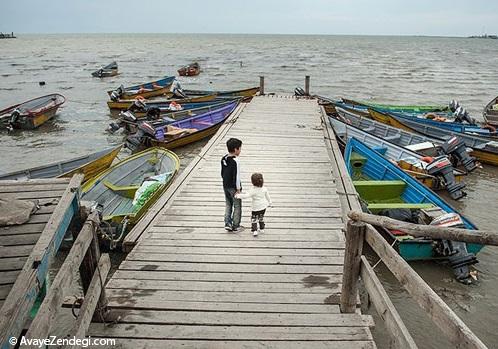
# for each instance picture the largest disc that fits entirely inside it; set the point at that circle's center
(89, 165)
(399, 108)
(483, 149)
(145, 90)
(190, 70)
(129, 120)
(490, 113)
(127, 189)
(180, 133)
(454, 147)
(107, 71)
(31, 114)
(124, 104)
(248, 92)
(387, 190)
(436, 173)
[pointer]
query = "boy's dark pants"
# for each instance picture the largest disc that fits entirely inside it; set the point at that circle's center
(233, 208)
(257, 216)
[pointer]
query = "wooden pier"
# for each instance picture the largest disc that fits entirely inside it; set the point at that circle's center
(27, 249)
(187, 283)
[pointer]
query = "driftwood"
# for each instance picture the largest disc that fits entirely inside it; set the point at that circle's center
(431, 231)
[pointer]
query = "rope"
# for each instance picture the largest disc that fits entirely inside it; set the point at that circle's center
(380, 259)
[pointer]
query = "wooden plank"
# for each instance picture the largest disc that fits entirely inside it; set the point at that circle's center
(13, 263)
(239, 251)
(16, 308)
(401, 336)
(15, 251)
(45, 317)
(132, 343)
(8, 277)
(37, 194)
(234, 259)
(165, 222)
(19, 239)
(32, 188)
(254, 243)
(241, 319)
(34, 182)
(79, 328)
(23, 229)
(231, 332)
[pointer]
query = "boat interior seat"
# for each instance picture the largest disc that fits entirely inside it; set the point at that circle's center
(206, 123)
(369, 129)
(127, 191)
(376, 207)
(393, 137)
(372, 191)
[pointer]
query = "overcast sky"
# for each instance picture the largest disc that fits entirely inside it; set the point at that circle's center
(380, 17)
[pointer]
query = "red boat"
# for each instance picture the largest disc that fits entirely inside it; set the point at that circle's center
(31, 114)
(190, 70)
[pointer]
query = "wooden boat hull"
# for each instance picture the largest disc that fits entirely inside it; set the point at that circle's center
(147, 90)
(125, 104)
(248, 92)
(399, 108)
(107, 71)
(32, 113)
(388, 120)
(88, 165)
(490, 115)
(180, 142)
(112, 188)
(190, 70)
(415, 194)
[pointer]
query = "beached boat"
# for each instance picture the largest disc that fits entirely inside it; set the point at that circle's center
(107, 71)
(89, 165)
(483, 149)
(190, 70)
(454, 147)
(131, 120)
(145, 90)
(387, 190)
(491, 112)
(31, 114)
(127, 189)
(436, 173)
(248, 92)
(124, 104)
(180, 133)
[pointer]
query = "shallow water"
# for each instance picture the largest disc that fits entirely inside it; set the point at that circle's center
(389, 69)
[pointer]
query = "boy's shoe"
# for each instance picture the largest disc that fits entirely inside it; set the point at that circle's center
(228, 228)
(262, 231)
(255, 233)
(238, 229)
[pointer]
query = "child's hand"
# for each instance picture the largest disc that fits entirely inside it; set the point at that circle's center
(236, 195)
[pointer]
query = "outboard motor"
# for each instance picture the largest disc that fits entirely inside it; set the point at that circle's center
(113, 127)
(153, 113)
(460, 259)
(117, 93)
(442, 168)
(462, 115)
(100, 72)
(454, 105)
(135, 141)
(177, 90)
(455, 147)
(137, 105)
(298, 91)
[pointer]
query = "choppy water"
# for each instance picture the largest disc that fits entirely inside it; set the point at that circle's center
(390, 69)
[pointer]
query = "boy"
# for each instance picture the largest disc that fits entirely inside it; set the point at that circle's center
(230, 172)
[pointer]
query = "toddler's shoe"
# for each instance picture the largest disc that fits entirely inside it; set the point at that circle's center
(255, 233)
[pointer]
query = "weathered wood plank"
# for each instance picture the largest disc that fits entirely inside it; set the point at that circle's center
(8, 277)
(15, 251)
(249, 243)
(13, 263)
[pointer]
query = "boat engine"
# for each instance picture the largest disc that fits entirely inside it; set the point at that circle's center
(137, 105)
(298, 91)
(460, 259)
(117, 93)
(135, 141)
(441, 167)
(153, 113)
(454, 105)
(177, 90)
(462, 115)
(455, 147)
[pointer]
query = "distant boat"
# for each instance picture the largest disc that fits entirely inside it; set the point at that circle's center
(145, 90)
(107, 71)
(491, 112)
(190, 70)
(124, 104)
(31, 114)
(248, 92)
(89, 165)
(7, 36)
(484, 36)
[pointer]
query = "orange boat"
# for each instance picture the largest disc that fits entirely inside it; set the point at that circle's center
(190, 70)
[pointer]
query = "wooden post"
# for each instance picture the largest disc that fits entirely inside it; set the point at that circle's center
(307, 85)
(261, 85)
(355, 234)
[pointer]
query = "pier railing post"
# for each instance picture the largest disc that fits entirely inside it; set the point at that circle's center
(261, 85)
(307, 85)
(355, 235)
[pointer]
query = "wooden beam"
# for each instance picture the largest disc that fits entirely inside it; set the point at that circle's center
(355, 234)
(262, 85)
(20, 300)
(44, 319)
(401, 337)
(91, 299)
(432, 231)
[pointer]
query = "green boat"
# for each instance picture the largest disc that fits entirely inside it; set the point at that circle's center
(387, 190)
(400, 108)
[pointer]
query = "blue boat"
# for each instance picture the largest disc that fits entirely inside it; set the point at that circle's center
(387, 190)
(145, 90)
